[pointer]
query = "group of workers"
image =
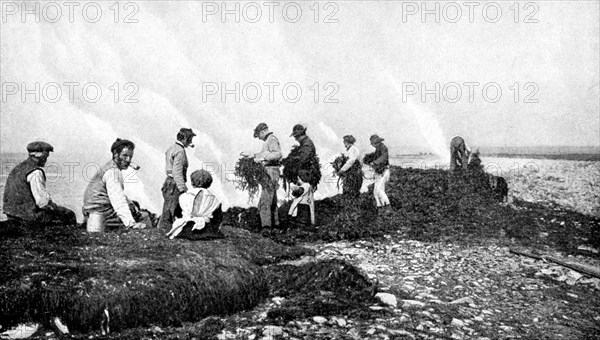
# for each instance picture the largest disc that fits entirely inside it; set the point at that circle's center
(186, 211)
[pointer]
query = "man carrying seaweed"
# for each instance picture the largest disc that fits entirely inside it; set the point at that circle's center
(379, 161)
(176, 164)
(105, 192)
(26, 198)
(303, 159)
(459, 154)
(270, 157)
(351, 172)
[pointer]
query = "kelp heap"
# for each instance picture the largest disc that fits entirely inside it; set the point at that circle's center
(139, 278)
(250, 175)
(438, 205)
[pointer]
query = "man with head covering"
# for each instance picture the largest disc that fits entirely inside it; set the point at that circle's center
(351, 171)
(270, 157)
(459, 153)
(379, 160)
(105, 193)
(26, 198)
(304, 156)
(176, 164)
(201, 211)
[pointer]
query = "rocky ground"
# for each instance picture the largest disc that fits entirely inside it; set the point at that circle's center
(441, 290)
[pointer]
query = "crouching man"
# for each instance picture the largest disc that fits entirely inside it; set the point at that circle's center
(201, 210)
(26, 198)
(105, 193)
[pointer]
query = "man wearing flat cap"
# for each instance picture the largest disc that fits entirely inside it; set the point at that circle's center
(176, 165)
(304, 156)
(270, 158)
(26, 198)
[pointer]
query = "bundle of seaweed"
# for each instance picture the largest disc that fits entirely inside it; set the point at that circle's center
(433, 205)
(293, 168)
(351, 178)
(320, 288)
(369, 159)
(139, 277)
(249, 175)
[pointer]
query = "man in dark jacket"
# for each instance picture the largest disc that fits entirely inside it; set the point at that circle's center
(176, 164)
(379, 160)
(459, 154)
(26, 198)
(309, 175)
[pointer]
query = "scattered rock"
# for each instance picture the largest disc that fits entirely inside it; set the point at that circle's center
(387, 298)
(319, 319)
(412, 303)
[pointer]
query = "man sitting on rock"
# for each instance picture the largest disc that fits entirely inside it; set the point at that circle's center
(105, 193)
(26, 198)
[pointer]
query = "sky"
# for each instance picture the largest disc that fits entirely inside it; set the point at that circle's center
(507, 74)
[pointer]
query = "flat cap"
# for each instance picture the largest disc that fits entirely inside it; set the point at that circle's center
(39, 146)
(187, 132)
(259, 128)
(298, 130)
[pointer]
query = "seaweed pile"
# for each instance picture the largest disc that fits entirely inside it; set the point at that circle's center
(331, 287)
(139, 277)
(435, 205)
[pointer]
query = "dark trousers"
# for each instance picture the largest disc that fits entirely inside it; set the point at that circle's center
(171, 208)
(352, 182)
(56, 216)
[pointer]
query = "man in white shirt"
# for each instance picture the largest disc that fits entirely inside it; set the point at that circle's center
(25, 195)
(351, 172)
(105, 192)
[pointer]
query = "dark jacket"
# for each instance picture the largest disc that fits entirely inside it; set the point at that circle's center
(381, 156)
(306, 152)
(18, 199)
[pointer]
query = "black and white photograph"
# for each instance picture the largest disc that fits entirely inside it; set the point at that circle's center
(303, 169)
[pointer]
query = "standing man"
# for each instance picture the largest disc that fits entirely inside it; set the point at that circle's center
(270, 158)
(309, 175)
(459, 153)
(351, 172)
(26, 198)
(381, 164)
(176, 164)
(105, 193)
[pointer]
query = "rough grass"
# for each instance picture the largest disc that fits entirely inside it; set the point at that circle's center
(140, 277)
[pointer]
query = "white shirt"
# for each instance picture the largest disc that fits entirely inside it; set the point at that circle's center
(116, 194)
(37, 183)
(352, 153)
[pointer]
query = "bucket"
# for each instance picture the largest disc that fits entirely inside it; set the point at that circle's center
(95, 222)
